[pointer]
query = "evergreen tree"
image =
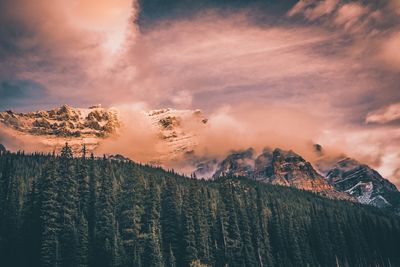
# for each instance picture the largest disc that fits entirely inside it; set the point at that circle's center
(49, 216)
(130, 213)
(126, 222)
(82, 179)
(105, 230)
(91, 210)
(188, 232)
(170, 225)
(31, 228)
(83, 243)
(170, 260)
(68, 199)
(152, 255)
(11, 220)
(233, 240)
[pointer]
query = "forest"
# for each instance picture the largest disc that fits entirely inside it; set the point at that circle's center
(66, 211)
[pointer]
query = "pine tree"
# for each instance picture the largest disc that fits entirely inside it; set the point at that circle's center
(129, 214)
(233, 240)
(105, 224)
(91, 210)
(83, 183)
(49, 215)
(83, 243)
(201, 225)
(31, 228)
(11, 221)
(170, 260)
(220, 237)
(152, 255)
(68, 198)
(170, 224)
(188, 232)
(248, 253)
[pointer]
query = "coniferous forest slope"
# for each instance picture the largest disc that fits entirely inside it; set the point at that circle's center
(65, 211)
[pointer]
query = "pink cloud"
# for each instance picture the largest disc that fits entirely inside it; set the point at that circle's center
(322, 8)
(350, 14)
(389, 52)
(384, 115)
(303, 84)
(313, 10)
(395, 4)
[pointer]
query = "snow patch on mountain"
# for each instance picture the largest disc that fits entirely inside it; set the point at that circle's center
(177, 131)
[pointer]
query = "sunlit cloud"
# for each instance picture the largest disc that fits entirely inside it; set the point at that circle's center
(384, 115)
(329, 68)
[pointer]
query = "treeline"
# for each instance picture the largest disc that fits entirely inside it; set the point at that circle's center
(65, 211)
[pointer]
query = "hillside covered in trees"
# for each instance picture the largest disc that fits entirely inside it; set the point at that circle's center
(65, 211)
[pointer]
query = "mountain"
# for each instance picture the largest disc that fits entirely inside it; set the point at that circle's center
(277, 167)
(64, 121)
(53, 128)
(102, 212)
(176, 130)
(362, 182)
(176, 133)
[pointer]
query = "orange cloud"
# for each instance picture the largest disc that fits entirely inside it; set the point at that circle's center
(389, 51)
(350, 14)
(384, 115)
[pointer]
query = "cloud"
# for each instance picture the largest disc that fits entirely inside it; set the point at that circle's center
(228, 57)
(389, 51)
(182, 99)
(68, 46)
(351, 17)
(377, 147)
(350, 14)
(384, 115)
(322, 8)
(396, 177)
(313, 10)
(15, 141)
(238, 128)
(137, 139)
(335, 61)
(395, 4)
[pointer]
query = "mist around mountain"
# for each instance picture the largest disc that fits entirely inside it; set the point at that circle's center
(338, 178)
(63, 210)
(184, 140)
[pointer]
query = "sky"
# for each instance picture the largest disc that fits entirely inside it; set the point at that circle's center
(278, 72)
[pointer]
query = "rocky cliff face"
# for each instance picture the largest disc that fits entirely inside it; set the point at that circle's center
(64, 121)
(364, 183)
(277, 167)
(51, 129)
(176, 130)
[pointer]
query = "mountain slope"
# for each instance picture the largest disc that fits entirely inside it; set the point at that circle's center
(64, 121)
(51, 129)
(364, 183)
(176, 131)
(277, 167)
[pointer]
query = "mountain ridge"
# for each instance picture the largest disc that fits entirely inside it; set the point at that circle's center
(91, 126)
